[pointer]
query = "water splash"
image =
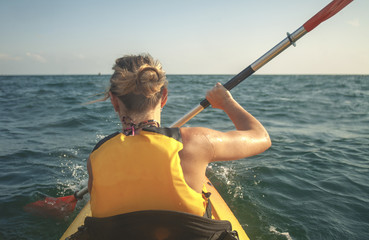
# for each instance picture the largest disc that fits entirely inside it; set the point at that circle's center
(227, 174)
(274, 230)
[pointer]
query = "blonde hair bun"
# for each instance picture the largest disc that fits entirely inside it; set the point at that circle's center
(139, 74)
(149, 80)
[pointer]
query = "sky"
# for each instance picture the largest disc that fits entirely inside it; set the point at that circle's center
(188, 37)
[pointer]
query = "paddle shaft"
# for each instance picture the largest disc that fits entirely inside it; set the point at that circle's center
(280, 47)
(327, 12)
(81, 193)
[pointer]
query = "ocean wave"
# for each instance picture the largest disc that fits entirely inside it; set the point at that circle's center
(311, 184)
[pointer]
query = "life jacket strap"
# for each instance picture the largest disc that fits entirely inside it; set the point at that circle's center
(208, 209)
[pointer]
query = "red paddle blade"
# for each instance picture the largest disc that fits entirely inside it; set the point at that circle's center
(327, 12)
(53, 207)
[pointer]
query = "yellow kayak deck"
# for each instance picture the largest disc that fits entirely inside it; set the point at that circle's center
(220, 211)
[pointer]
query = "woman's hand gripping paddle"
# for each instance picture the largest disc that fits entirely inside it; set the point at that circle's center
(56, 207)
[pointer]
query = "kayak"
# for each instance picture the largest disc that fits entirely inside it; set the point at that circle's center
(220, 211)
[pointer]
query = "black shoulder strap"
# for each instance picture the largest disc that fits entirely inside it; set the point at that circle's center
(169, 132)
(102, 141)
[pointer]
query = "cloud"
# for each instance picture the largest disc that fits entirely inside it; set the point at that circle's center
(4, 56)
(36, 57)
(354, 22)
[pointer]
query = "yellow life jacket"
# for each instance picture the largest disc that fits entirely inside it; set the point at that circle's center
(141, 172)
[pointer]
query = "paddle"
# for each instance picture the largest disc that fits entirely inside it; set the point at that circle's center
(62, 206)
(327, 12)
(56, 207)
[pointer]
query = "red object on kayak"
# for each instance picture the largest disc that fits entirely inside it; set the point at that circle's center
(53, 207)
(56, 207)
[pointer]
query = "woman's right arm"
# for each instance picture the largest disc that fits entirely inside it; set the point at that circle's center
(250, 137)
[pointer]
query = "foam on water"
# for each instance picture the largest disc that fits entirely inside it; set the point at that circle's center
(274, 230)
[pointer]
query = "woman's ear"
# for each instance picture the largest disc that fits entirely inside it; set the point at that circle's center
(164, 97)
(114, 101)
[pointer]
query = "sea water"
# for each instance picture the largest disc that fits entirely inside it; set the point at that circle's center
(313, 183)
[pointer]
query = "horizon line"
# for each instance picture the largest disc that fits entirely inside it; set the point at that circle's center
(193, 74)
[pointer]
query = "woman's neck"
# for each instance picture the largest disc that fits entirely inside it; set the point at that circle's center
(137, 121)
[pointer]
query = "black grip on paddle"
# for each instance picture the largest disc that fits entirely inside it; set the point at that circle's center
(232, 83)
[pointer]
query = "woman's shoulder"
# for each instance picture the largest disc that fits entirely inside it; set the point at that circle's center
(197, 147)
(189, 132)
(197, 136)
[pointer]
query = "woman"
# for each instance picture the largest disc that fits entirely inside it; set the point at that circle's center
(146, 167)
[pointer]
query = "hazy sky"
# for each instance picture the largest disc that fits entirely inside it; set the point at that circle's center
(188, 37)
